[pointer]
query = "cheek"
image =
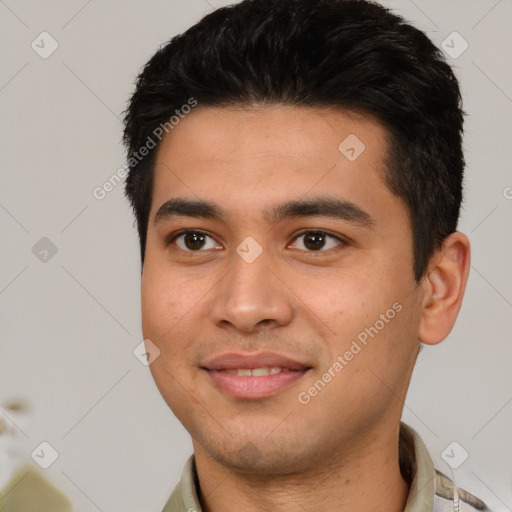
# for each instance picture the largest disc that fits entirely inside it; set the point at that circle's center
(367, 307)
(174, 304)
(162, 302)
(345, 301)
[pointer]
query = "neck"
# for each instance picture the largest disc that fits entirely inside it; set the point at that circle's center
(367, 478)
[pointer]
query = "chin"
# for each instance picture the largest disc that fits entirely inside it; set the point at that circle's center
(260, 456)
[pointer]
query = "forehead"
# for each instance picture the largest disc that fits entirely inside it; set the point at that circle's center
(250, 158)
(311, 133)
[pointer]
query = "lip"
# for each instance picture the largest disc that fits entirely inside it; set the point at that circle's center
(252, 387)
(233, 360)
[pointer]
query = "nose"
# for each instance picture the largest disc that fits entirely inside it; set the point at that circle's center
(251, 297)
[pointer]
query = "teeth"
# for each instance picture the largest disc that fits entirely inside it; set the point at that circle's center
(257, 372)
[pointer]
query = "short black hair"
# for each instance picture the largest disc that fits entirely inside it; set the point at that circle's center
(354, 55)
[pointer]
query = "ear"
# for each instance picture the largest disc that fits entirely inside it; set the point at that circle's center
(443, 288)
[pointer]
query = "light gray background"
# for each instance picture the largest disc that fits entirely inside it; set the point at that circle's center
(69, 326)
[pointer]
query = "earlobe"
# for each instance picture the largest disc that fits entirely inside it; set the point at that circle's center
(443, 288)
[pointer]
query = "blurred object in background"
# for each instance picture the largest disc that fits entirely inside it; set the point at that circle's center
(23, 488)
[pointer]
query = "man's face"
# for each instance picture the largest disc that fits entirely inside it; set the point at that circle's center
(255, 280)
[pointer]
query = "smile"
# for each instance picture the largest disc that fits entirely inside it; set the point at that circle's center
(256, 383)
(256, 372)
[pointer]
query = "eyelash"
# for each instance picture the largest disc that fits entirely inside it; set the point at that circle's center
(171, 238)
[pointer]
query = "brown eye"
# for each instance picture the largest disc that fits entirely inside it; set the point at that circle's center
(318, 241)
(314, 241)
(193, 241)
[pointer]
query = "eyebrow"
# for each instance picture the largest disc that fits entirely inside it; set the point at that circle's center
(316, 206)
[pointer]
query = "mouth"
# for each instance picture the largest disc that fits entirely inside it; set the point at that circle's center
(247, 376)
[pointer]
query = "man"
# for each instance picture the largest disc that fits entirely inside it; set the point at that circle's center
(295, 173)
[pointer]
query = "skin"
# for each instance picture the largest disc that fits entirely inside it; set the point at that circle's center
(340, 449)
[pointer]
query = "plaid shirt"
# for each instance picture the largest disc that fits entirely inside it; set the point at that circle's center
(429, 489)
